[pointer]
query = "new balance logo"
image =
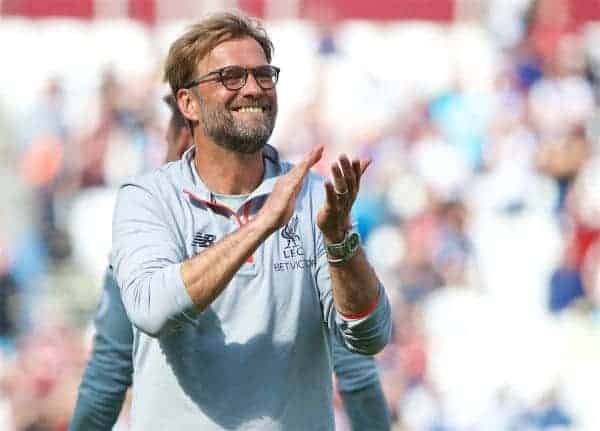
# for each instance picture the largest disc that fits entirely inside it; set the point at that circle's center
(203, 239)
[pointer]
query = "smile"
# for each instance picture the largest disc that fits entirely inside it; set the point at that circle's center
(254, 109)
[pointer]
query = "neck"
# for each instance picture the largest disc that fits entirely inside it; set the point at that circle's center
(227, 172)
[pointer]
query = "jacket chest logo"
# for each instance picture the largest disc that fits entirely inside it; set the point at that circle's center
(293, 255)
(293, 247)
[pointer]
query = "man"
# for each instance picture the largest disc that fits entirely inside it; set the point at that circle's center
(108, 373)
(235, 267)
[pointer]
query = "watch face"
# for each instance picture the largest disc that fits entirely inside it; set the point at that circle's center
(346, 249)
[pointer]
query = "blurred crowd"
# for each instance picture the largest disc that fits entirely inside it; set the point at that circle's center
(481, 211)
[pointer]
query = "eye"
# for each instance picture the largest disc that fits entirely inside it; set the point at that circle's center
(266, 74)
(233, 73)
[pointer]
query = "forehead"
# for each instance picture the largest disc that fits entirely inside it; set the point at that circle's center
(241, 52)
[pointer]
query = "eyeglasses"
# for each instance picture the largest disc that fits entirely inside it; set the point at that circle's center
(235, 77)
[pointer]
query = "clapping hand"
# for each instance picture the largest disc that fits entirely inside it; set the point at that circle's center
(334, 217)
(279, 207)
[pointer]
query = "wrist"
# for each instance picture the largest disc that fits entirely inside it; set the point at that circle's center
(340, 252)
(334, 237)
(263, 226)
(335, 233)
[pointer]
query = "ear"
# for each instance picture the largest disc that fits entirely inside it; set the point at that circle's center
(188, 104)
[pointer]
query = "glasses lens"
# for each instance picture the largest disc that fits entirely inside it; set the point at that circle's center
(233, 77)
(266, 76)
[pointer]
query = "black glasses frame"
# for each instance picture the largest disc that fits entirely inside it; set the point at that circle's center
(220, 75)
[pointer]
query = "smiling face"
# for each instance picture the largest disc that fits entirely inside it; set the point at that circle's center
(239, 120)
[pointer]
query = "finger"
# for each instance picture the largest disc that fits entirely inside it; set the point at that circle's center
(332, 200)
(364, 164)
(357, 172)
(339, 183)
(359, 167)
(348, 173)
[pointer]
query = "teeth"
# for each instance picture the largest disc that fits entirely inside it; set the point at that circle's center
(250, 109)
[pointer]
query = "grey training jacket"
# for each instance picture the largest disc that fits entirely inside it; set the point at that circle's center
(258, 357)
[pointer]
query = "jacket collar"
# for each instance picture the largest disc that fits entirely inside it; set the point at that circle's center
(196, 189)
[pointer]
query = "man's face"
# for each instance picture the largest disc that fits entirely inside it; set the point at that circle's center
(222, 117)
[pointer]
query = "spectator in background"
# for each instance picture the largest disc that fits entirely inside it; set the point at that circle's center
(41, 380)
(122, 135)
(9, 299)
(566, 284)
(548, 23)
(111, 117)
(562, 159)
(43, 159)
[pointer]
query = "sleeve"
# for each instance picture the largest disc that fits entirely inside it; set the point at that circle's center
(109, 371)
(352, 370)
(360, 388)
(367, 408)
(366, 334)
(146, 261)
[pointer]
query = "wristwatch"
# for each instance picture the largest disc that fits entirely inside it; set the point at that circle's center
(343, 251)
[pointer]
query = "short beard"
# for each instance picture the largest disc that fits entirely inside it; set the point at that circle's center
(225, 131)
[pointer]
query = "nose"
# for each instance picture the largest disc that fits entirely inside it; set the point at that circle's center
(251, 88)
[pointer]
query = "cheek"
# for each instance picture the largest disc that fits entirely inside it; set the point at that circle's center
(222, 98)
(273, 100)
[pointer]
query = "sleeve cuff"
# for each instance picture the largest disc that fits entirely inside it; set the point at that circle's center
(183, 301)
